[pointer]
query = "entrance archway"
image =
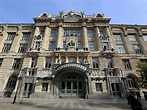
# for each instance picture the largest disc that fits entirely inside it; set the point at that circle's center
(71, 82)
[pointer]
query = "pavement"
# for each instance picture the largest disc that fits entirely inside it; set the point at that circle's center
(66, 104)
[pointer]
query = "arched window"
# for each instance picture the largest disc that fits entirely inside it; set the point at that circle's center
(11, 82)
(131, 82)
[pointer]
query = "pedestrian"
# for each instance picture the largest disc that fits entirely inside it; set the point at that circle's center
(135, 104)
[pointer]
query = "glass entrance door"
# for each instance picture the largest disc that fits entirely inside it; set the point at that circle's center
(72, 87)
(115, 89)
(27, 90)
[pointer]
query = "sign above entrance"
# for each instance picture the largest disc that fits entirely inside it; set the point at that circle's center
(72, 65)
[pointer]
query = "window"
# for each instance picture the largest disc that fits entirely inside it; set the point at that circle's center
(34, 62)
(11, 36)
(91, 45)
(130, 82)
(1, 60)
(51, 45)
(17, 63)
(42, 33)
(132, 37)
(11, 82)
(95, 63)
(117, 37)
(106, 45)
(144, 37)
(6, 48)
(64, 44)
(68, 32)
(126, 63)
(26, 36)
(54, 33)
(136, 48)
(90, 33)
(62, 60)
(48, 62)
(71, 59)
(45, 87)
(38, 45)
(98, 87)
(22, 48)
(80, 60)
(109, 63)
(101, 33)
(143, 60)
(120, 48)
(79, 45)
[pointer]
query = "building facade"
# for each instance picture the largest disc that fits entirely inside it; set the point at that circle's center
(70, 55)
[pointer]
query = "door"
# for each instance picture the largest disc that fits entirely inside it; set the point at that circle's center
(115, 89)
(27, 90)
(72, 87)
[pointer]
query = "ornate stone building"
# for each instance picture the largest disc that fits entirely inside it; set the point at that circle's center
(70, 55)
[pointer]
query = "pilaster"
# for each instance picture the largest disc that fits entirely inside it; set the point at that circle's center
(85, 36)
(97, 35)
(46, 38)
(60, 36)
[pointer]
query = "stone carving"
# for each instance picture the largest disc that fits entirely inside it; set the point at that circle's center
(58, 58)
(86, 59)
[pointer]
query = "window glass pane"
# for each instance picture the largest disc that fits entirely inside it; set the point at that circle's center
(1, 60)
(64, 44)
(126, 63)
(132, 37)
(101, 33)
(145, 37)
(95, 63)
(136, 48)
(54, 33)
(44, 86)
(90, 33)
(79, 45)
(48, 62)
(72, 31)
(98, 86)
(16, 64)
(52, 45)
(26, 36)
(6, 48)
(91, 45)
(11, 36)
(22, 48)
(117, 37)
(120, 48)
(71, 59)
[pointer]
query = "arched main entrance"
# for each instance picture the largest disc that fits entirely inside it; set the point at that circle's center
(71, 82)
(72, 85)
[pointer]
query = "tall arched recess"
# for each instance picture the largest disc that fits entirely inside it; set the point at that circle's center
(71, 80)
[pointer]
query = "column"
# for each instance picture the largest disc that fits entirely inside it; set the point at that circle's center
(98, 41)
(107, 30)
(45, 42)
(36, 32)
(4, 36)
(85, 37)
(15, 44)
(60, 36)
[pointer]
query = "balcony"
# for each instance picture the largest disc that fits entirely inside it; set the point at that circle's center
(33, 52)
(108, 52)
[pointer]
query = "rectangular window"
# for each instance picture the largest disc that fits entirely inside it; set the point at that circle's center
(144, 37)
(64, 44)
(109, 63)
(80, 60)
(54, 33)
(17, 63)
(95, 63)
(1, 61)
(62, 60)
(44, 87)
(72, 31)
(11, 36)
(106, 45)
(48, 62)
(42, 32)
(126, 63)
(52, 45)
(136, 48)
(79, 44)
(22, 48)
(90, 33)
(132, 37)
(38, 45)
(91, 45)
(71, 59)
(26, 36)
(6, 48)
(98, 87)
(120, 48)
(143, 60)
(34, 62)
(117, 37)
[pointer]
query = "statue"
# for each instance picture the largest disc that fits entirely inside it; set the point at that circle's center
(71, 43)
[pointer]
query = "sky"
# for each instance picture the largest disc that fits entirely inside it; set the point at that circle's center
(120, 11)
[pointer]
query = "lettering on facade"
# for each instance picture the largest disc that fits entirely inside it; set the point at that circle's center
(73, 65)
